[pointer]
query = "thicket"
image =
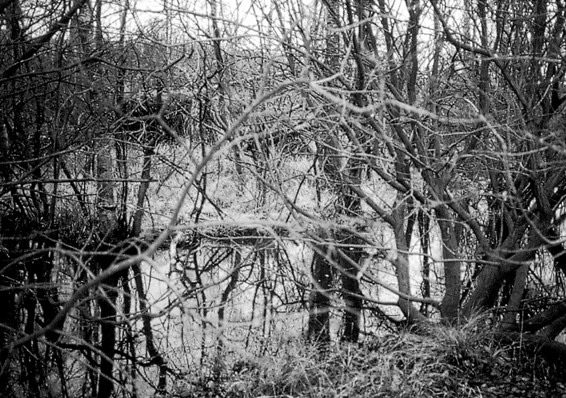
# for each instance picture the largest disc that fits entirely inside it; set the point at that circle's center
(193, 189)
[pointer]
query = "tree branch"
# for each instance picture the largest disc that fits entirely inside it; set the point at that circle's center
(39, 42)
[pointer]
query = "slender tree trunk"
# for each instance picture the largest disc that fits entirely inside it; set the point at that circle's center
(106, 207)
(348, 260)
(130, 337)
(32, 354)
(322, 273)
(107, 305)
(144, 186)
(424, 225)
(516, 296)
(347, 177)
(224, 90)
(8, 273)
(452, 266)
(9, 318)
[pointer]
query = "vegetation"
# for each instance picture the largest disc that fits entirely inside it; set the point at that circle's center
(265, 198)
(444, 362)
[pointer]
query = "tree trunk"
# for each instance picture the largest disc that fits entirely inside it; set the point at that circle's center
(498, 267)
(424, 226)
(9, 319)
(517, 292)
(322, 274)
(452, 266)
(107, 305)
(352, 296)
(106, 207)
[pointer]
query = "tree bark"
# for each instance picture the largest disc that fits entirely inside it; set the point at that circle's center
(9, 318)
(498, 266)
(348, 259)
(323, 275)
(452, 266)
(107, 305)
(516, 296)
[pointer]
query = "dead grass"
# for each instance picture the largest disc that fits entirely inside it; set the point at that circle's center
(445, 361)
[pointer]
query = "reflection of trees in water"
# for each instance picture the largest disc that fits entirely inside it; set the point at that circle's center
(237, 288)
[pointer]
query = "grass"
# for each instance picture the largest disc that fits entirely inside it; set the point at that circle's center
(445, 361)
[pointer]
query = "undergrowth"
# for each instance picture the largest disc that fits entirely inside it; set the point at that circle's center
(441, 361)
